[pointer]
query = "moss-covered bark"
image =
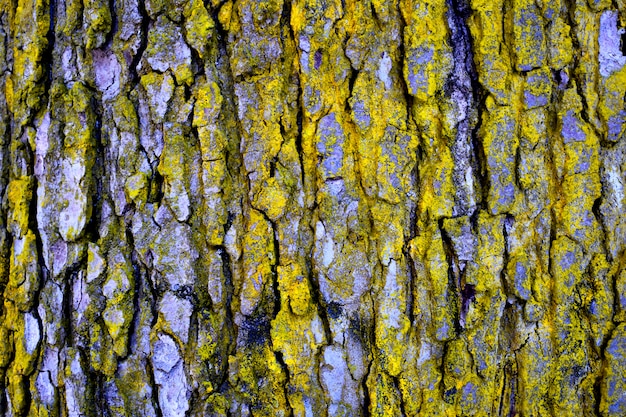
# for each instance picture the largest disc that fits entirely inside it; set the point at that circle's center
(312, 207)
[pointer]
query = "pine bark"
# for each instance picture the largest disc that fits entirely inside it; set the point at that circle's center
(312, 208)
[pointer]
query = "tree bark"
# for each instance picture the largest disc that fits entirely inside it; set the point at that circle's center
(312, 207)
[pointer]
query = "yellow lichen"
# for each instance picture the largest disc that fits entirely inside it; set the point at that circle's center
(19, 194)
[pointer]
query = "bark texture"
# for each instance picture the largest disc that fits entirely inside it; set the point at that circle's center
(312, 207)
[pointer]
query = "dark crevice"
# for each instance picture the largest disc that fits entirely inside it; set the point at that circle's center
(412, 233)
(468, 295)
(298, 141)
(156, 187)
(229, 321)
(67, 304)
(222, 34)
(513, 397)
(272, 170)
(561, 79)
(509, 220)
(234, 162)
(155, 388)
(137, 292)
(33, 225)
(316, 297)
(616, 290)
(4, 405)
(187, 97)
(517, 167)
(28, 398)
(229, 289)
(108, 40)
(597, 391)
(353, 76)
(277, 306)
(373, 11)
(95, 388)
(149, 291)
(600, 219)
(396, 384)
(601, 373)
(274, 266)
(367, 405)
(410, 299)
(363, 329)
(283, 365)
(454, 285)
(145, 26)
(408, 98)
(285, 23)
(479, 165)
(92, 228)
(47, 56)
(300, 100)
(508, 378)
(507, 344)
(197, 63)
(446, 395)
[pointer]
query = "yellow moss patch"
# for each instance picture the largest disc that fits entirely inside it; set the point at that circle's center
(19, 192)
(258, 258)
(24, 272)
(136, 188)
(272, 199)
(208, 105)
(199, 26)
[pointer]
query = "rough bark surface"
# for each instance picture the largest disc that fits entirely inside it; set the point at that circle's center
(312, 207)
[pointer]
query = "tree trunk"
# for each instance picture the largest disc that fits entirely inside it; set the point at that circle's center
(312, 207)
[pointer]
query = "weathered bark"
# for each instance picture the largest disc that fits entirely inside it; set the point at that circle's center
(312, 207)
